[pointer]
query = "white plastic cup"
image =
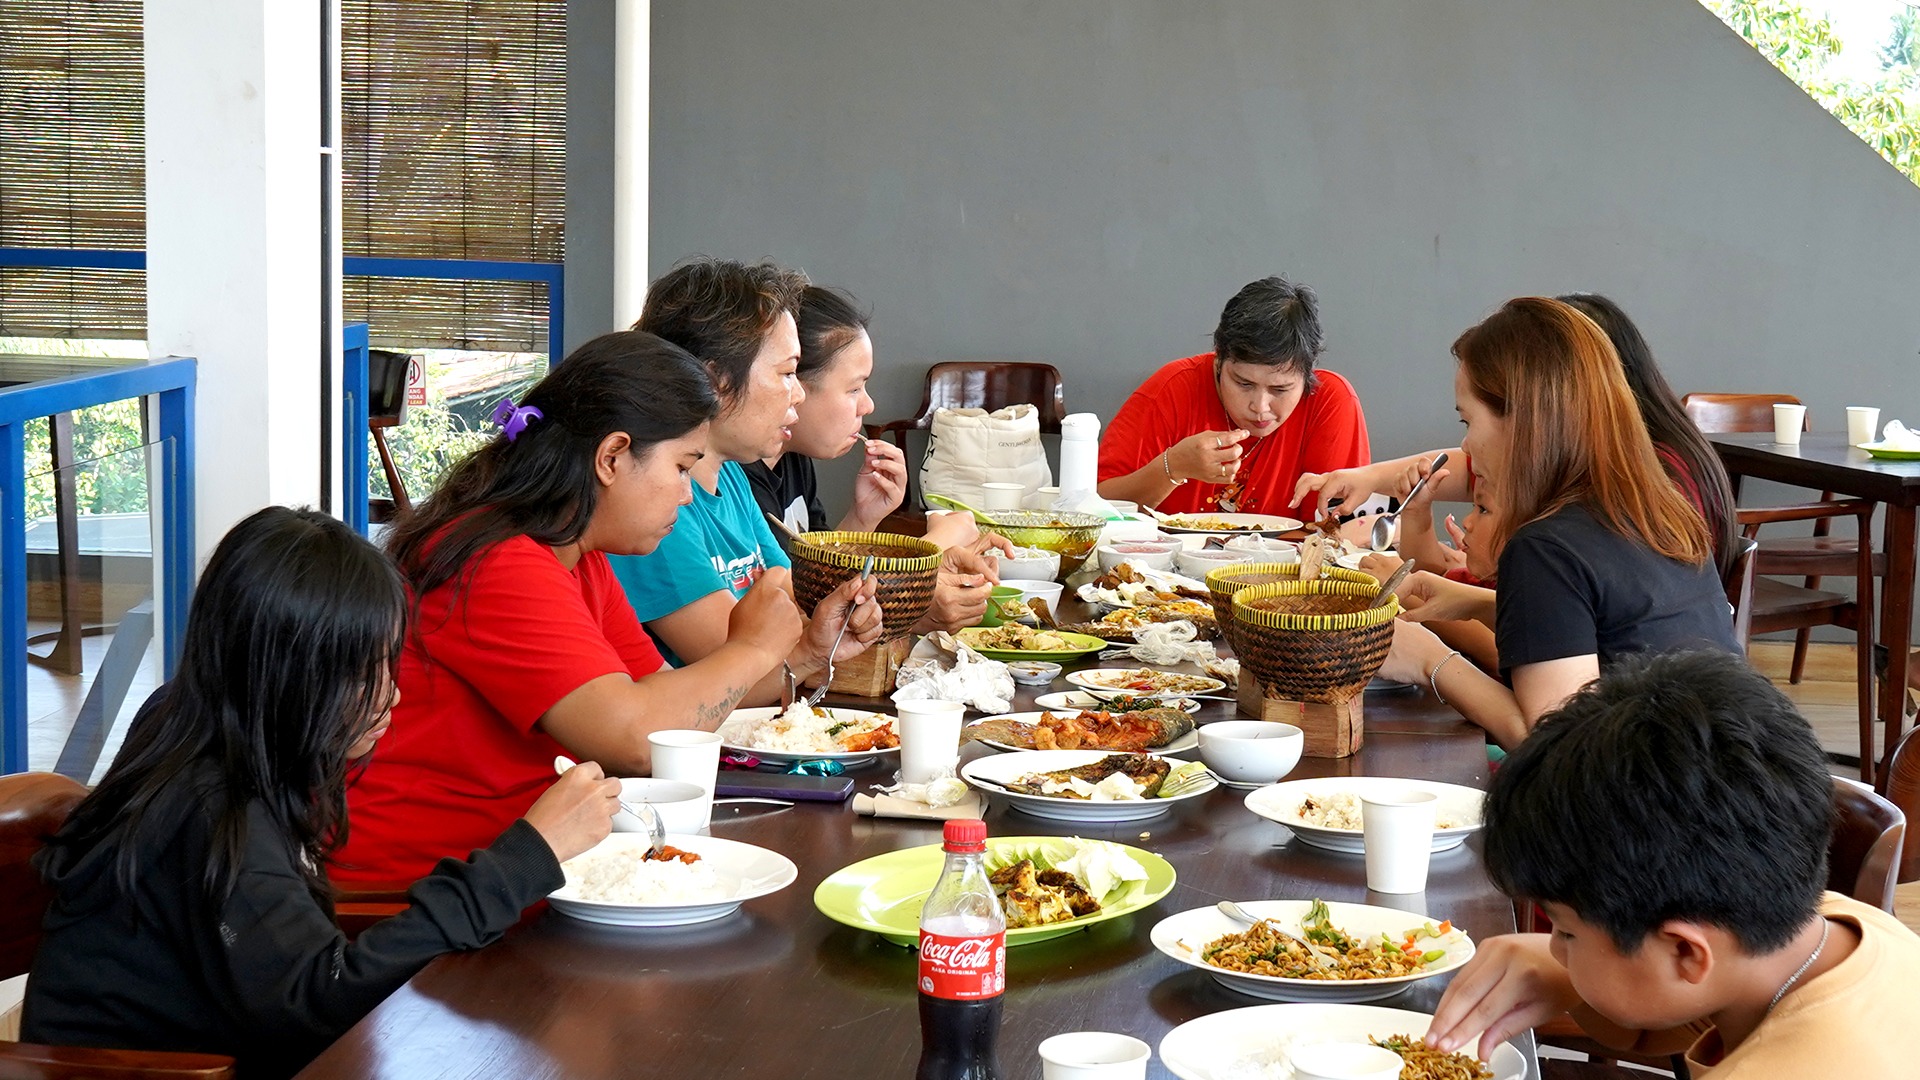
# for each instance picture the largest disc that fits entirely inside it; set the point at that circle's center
(1398, 830)
(689, 756)
(1863, 422)
(1787, 422)
(929, 739)
(1345, 1061)
(1093, 1055)
(1042, 498)
(1001, 496)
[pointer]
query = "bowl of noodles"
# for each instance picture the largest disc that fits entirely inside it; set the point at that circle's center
(1314, 950)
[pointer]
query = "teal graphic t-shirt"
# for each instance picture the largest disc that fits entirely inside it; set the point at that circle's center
(719, 542)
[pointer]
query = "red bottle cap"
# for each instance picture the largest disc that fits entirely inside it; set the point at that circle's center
(966, 835)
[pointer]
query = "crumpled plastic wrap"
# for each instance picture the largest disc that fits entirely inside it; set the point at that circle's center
(943, 669)
(1160, 644)
(942, 791)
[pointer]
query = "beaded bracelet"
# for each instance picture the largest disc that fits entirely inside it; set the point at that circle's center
(1433, 677)
(1168, 469)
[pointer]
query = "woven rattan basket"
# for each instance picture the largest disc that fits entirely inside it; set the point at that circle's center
(1068, 534)
(1312, 641)
(906, 568)
(1228, 580)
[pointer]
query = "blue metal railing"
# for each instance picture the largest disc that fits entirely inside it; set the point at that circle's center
(172, 381)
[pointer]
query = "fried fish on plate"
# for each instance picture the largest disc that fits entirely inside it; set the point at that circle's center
(1145, 770)
(1032, 897)
(1091, 729)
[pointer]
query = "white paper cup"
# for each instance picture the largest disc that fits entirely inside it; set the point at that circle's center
(690, 756)
(1787, 422)
(1345, 1061)
(1041, 499)
(998, 496)
(1863, 422)
(1398, 831)
(929, 739)
(1093, 1055)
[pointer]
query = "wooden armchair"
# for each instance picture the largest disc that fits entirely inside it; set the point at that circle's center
(33, 806)
(1900, 785)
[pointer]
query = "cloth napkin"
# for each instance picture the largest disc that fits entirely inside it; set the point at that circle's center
(896, 807)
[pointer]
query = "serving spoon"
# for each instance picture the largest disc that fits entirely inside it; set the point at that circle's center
(1382, 537)
(656, 830)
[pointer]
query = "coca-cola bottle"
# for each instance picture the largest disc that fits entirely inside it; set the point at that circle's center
(963, 963)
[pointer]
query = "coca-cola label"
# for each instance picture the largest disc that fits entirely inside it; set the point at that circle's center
(963, 968)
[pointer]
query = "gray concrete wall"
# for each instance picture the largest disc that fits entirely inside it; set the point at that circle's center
(588, 304)
(1085, 182)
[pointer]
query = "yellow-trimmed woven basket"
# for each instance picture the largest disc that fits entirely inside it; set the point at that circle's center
(906, 568)
(1228, 580)
(1316, 641)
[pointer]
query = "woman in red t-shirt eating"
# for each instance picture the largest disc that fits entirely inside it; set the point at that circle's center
(1232, 430)
(523, 645)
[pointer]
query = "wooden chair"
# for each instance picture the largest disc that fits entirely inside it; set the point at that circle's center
(1738, 582)
(1778, 605)
(1863, 860)
(1900, 785)
(386, 394)
(979, 385)
(33, 806)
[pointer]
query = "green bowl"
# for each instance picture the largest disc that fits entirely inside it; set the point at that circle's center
(994, 616)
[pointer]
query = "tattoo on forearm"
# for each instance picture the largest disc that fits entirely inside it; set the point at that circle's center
(708, 716)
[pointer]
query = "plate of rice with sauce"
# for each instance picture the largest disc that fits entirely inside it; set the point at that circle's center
(803, 733)
(699, 879)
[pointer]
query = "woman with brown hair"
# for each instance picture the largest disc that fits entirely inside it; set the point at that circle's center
(1597, 553)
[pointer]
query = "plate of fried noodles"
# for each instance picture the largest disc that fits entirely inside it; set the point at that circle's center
(1314, 950)
(1257, 1043)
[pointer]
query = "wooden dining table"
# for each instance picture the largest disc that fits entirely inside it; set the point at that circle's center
(1827, 462)
(778, 990)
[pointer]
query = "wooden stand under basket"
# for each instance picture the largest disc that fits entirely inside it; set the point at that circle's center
(1332, 729)
(871, 674)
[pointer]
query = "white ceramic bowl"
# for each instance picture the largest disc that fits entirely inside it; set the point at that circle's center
(1038, 566)
(1196, 564)
(1266, 547)
(1033, 672)
(681, 805)
(1041, 590)
(1251, 751)
(1125, 532)
(1151, 556)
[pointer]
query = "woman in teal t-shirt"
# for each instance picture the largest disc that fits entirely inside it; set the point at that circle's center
(739, 321)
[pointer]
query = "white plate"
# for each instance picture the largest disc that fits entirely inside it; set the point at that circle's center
(1080, 699)
(1007, 768)
(735, 725)
(752, 871)
(1263, 524)
(1109, 680)
(1200, 926)
(1281, 803)
(1189, 741)
(1208, 1048)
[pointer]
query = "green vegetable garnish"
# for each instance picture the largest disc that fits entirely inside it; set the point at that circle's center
(1430, 957)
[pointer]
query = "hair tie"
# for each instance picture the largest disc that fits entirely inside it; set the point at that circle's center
(513, 419)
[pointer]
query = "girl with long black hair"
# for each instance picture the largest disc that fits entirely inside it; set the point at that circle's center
(192, 906)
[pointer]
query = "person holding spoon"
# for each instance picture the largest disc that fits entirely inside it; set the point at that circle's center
(1231, 431)
(836, 360)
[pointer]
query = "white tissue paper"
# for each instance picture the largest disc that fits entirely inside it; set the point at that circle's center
(942, 791)
(1897, 436)
(944, 669)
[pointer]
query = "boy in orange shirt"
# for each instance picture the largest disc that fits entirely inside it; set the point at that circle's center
(1673, 820)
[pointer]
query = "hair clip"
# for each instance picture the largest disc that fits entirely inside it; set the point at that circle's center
(513, 419)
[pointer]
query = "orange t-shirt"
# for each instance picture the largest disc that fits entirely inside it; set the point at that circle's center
(1326, 431)
(484, 660)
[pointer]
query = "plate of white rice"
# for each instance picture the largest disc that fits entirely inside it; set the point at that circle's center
(612, 885)
(799, 733)
(1326, 812)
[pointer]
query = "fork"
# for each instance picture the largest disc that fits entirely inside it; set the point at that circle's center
(647, 815)
(820, 691)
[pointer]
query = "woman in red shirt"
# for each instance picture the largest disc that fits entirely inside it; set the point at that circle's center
(1232, 430)
(523, 645)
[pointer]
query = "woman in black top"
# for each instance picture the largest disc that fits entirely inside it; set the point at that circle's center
(1596, 551)
(192, 910)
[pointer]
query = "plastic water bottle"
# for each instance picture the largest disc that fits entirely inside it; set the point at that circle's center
(1079, 454)
(963, 963)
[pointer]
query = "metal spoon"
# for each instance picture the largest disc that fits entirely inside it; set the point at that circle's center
(820, 691)
(1393, 582)
(1382, 537)
(649, 817)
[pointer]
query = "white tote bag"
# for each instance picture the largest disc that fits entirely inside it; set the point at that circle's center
(970, 447)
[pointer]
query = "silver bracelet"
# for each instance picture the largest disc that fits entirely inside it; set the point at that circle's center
(1168, 469)
(1433, 677)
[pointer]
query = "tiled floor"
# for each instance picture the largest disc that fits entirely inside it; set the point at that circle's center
(54, 700)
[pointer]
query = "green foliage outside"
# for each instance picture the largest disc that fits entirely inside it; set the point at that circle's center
(109, 471)
(1884, 111)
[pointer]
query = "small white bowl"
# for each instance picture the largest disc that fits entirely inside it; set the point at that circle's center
(1151, 556)
(1034, 672)
(1251, 751)
(1269, 549)
(1038, 566)
(1126, 532)
(1041, 590)
(1196, 564)
(1345, 1061)
(1122, 506)
(681, 806)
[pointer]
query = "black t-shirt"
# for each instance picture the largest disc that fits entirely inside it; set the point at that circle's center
(1570, 586)
(788, 491)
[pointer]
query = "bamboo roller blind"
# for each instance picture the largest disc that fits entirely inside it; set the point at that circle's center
(72, 163)
(453, 147)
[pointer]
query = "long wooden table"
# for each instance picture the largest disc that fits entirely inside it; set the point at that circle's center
(781, 991)
(1825, 462)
